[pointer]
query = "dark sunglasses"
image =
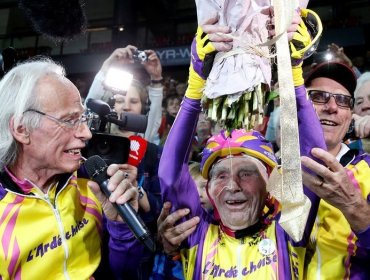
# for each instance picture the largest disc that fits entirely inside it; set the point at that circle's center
(323, 97)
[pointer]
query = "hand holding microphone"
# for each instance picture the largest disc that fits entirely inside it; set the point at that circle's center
(119, 190)
(119, 185)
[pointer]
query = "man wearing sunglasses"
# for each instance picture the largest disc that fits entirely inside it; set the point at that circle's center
(342, 230)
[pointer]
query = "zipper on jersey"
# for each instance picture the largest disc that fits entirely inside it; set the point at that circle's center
(45, 197)
(239, 261)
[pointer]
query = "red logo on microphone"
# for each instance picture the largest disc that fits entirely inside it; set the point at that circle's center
(138, 147)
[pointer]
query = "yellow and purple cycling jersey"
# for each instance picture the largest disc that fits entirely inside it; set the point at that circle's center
(49, 235)
(210, 253)
(335, 251)
(58, 234)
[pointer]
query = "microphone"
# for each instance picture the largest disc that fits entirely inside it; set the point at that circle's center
(97, 170)
(138, 147)
(98, 106)
(128, 121)
(132, 122)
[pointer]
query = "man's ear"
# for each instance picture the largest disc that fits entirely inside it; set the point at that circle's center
(20, 132)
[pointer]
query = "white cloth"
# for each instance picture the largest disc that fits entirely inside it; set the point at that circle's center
(242, 71)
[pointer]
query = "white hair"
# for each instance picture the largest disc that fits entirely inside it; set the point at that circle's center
(365, 77)
(17, 95)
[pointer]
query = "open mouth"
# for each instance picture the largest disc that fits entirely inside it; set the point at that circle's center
(328, 123)
(74, 152)
(235, 201)
(236, 204)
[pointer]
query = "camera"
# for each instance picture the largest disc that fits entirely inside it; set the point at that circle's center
(125, 121)
(112, 148)
(139, 56)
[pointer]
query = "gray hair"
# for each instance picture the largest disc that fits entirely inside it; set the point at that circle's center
(17, 95)
(365, 77)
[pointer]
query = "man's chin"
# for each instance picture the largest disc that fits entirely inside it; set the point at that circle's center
(72, 167)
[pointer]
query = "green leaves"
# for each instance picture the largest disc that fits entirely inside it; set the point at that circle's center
(236, 111)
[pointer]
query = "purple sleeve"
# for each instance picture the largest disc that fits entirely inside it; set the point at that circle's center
(364, 238)
(310, 130)
(127, 255)
(310, 136)
(360, 261)
(176, 183)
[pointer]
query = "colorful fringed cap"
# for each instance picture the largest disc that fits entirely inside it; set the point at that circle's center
(240, 141)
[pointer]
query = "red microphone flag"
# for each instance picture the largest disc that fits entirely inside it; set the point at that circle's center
(138, 147)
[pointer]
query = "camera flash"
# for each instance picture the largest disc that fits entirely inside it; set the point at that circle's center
(118, 80)
(328, 56)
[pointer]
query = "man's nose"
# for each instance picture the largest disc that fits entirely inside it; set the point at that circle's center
(331, 105)
(83, 131)
(233, 185)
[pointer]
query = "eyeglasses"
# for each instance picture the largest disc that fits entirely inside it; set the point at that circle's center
(72, 124)
(323, 97)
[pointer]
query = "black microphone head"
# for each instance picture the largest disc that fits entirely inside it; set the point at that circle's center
(134, 122)
(59, 20)
(98, 106)
(96, 168)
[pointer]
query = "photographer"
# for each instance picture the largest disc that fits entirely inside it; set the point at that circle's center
(136, 101)
(122, 57)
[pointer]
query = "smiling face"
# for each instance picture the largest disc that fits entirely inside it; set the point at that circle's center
(54, 148)
(334, 120)
(238, 191)
(362, 102)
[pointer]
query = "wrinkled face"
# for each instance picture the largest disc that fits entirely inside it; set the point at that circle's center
(54, 147)
(238, 191)
(334, 120)
(173, 106)
(130, 103)
(362, 102)
(201, 186)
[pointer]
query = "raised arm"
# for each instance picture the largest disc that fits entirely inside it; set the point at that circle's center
(176, 183)
(153, 67)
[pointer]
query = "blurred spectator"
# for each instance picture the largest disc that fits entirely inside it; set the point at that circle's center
(181, 88)
(201, 183)
(170, 86)
(171, 103)
(362, 110)
(362, 95)
(273, 120)
(203, 133)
